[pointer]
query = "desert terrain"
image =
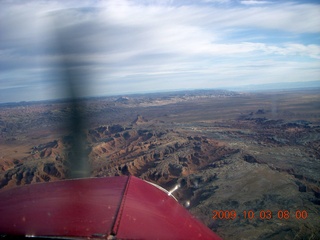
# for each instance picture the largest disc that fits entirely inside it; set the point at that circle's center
(240, 151)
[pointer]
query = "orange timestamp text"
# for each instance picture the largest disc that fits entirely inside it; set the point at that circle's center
(262, 214)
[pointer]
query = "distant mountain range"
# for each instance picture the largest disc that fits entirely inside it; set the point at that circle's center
(277, 86)
(178, 92)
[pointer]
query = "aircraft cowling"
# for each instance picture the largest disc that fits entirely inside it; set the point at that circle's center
(122, 207)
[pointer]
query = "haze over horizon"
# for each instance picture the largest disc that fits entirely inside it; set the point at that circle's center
(121, 47)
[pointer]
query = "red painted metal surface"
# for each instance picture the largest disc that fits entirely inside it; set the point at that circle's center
(126, 207)
(151, 214)
(82, 207)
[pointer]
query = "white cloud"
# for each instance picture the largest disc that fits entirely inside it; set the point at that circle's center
(217, 1)
(254, 2)
(128, 42)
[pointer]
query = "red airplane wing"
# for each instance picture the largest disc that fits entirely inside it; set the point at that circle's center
(123, 207)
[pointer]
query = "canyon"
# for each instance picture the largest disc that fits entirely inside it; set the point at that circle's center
(227, 151)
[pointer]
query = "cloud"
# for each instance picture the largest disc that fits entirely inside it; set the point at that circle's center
(137, 45)
(254, 2)
(217, 1)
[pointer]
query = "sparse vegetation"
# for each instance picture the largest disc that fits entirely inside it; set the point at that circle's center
(227, 150)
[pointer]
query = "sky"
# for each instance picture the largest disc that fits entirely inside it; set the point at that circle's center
(119, 47)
